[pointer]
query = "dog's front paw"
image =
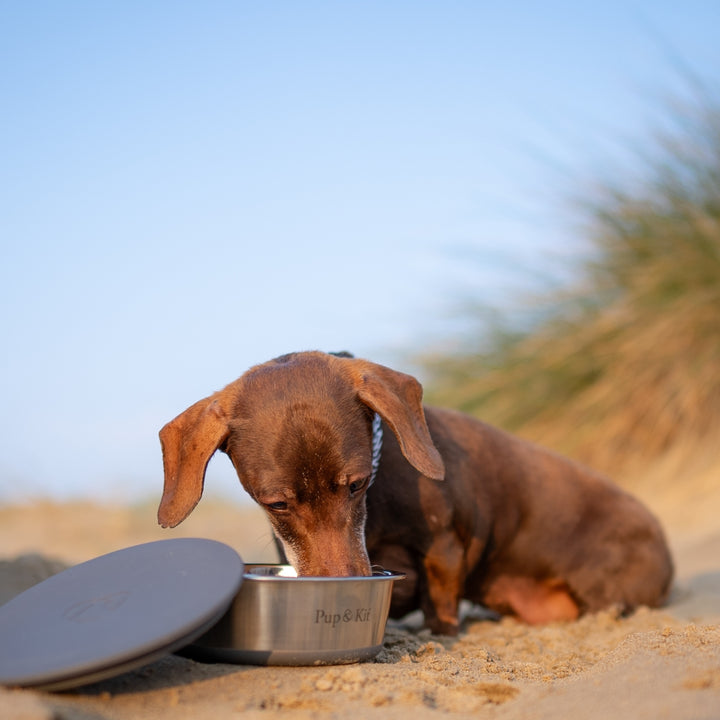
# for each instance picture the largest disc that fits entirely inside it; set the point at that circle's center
(438, 626)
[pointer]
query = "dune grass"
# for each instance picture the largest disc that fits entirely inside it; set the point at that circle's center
(626, 362)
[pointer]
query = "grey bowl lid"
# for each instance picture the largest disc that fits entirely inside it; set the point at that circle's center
(116, 612)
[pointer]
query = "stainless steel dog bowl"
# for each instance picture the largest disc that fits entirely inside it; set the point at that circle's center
(278, 618)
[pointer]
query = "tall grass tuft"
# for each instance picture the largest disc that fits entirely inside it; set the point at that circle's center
(626, 362)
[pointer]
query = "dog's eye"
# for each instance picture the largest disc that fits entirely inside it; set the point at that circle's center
(277, 506)
(356, 486)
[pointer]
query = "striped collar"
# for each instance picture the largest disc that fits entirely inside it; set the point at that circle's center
(377, 437)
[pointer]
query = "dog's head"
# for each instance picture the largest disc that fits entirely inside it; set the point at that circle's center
(298, 431)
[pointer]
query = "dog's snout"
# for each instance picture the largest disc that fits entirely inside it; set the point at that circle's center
(334, 562)
(336, 572)
(323, 568)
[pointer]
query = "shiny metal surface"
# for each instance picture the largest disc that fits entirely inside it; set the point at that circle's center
(277, 619)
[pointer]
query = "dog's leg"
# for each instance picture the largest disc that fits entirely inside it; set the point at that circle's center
(534, 601)
(443, 565)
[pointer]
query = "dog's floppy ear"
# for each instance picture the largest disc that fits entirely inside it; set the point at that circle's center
(397, 398)
(188, 442)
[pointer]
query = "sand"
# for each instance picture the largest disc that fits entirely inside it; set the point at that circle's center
(653, 664)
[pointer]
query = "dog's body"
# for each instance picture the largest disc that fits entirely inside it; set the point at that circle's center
(464, 509)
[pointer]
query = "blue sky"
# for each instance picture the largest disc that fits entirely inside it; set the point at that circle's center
(190, 188)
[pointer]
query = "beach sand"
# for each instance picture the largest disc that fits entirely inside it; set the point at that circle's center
(654, 664)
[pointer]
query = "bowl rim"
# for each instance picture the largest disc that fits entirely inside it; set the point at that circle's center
(379, 574)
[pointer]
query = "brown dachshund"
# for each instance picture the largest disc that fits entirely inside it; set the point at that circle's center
(464, 509)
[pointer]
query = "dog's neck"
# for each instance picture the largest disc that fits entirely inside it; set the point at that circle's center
(377, 437)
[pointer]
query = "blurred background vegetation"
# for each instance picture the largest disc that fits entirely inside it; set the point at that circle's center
(622, 366)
